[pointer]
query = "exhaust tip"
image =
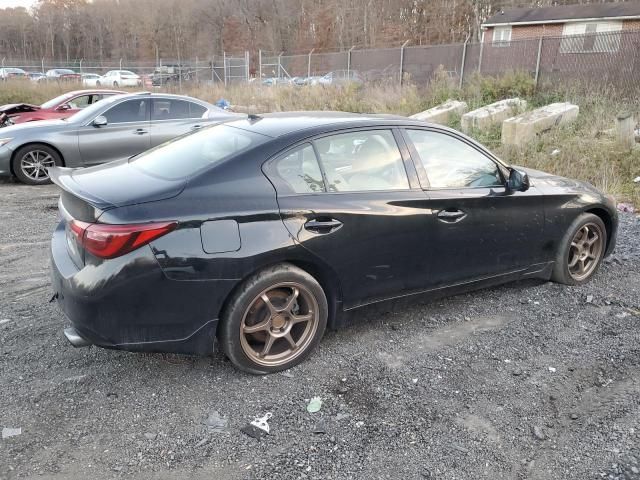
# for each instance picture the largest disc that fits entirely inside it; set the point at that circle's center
(75, 339)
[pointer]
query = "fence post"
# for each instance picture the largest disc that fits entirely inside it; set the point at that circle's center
(538, 62)
(81, 65)
(246, 65)
(224, 67)
(120, 64)
(480, 59)
(260, 65)
(279, 65)
(464, 58)
(196, 70)
(402, 61)
(42, 64)
(309, 63)
(349, 62)
(213, 68)
(2, 62)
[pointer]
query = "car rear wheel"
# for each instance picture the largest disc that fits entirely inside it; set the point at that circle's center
(581, 250)
(274, 320)
(30, 163)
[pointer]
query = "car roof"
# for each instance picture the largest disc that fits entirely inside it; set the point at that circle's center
(284, 123)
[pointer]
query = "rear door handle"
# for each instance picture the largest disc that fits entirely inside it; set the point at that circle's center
(451, 216)
(323, 226)
(140, 131)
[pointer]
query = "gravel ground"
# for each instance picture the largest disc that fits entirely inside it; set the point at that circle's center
(529, 380)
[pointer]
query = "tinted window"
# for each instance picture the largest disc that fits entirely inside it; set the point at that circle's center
(300, 171)
(166, 109)
(184, 156)
(360, 161)
(451, 163)
(129, 111)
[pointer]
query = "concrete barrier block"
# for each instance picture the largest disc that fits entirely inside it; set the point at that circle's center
(489, 115)
(442, 114)
(523, 128)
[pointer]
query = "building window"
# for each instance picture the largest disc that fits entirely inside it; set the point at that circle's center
(501, 36)
(587, 37)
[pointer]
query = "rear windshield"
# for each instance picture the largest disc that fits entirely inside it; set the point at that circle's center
(187, 155)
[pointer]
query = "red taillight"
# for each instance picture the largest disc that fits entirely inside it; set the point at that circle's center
(109, 241)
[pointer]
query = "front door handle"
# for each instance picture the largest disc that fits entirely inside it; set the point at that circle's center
(140, 131)
(323, 226)
(451, 216)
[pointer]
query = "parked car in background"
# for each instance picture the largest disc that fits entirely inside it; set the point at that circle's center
(37, 76)
(62, 106)
(115, 128)
(171, 74)
(341, 77)
(265, 230)
(119, 78)
(11, 73)
(62, 75)
(90, 79)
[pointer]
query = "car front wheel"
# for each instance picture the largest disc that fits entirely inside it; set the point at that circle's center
(581, 250)
(30, 163)
(274, 320)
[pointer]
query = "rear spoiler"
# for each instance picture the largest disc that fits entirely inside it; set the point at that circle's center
(63, 177)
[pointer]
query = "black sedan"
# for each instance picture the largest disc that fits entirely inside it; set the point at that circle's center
(264, 231)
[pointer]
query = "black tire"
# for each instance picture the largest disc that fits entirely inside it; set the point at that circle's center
(231, 334)
(561, 270)
(46, 155)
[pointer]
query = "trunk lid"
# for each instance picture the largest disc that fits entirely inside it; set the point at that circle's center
(112, 185)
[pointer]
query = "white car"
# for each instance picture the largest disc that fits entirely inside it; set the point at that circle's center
(90, 79)
(119, 78)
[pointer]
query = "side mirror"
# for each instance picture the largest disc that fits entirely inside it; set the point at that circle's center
(100, 121)
(66, 106)
(518, 181)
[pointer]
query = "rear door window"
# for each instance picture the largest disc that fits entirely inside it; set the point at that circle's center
(169, 109)
(297, 171)
(359, 161)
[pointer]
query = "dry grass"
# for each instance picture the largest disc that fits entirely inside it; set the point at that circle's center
(582, 150)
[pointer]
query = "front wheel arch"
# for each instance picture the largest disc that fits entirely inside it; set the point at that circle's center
(17, 149)
(605, 216)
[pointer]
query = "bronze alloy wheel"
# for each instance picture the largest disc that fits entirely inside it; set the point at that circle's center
(34, 164)
(585, 251)
(279, 324)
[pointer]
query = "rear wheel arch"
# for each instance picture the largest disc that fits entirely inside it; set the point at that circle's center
(323, 274)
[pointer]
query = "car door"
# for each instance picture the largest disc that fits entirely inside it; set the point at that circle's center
(125, 134)
(172, 117)
(352, 201)
(480, 229)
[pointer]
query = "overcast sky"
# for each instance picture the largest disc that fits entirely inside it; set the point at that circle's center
(16, 3)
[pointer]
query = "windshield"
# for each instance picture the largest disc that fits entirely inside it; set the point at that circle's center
(56, 101)
(187, 155)
(92, 110)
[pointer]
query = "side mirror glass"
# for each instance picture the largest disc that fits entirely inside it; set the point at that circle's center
(518, 181)
(100, 121)
(66, 106)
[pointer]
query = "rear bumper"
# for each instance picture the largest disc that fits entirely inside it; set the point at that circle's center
(128, 303)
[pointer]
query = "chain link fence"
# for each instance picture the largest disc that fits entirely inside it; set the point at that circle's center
(598, 60)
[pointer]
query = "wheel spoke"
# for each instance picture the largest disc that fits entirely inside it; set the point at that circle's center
(258, 327)
(272, 309)
(291, 301)
(574, 260)
(267, 346)
(291, 341)
(582, 266)
(592, 240)
(301, 318)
